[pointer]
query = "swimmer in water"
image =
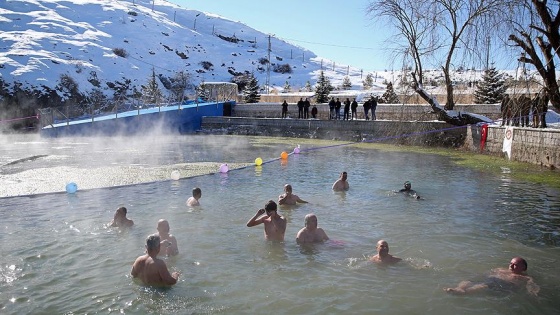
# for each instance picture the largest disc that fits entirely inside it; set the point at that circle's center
(288, 198)
(193, 201)
(341, 183)
(383, 256)
(274, 224)
(168, 241)
(409, 191)
(150, 269)
(120, 219)
(501, 279)
(311, 233)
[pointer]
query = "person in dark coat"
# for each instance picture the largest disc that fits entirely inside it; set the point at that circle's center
(284, 109)
(347, 109)
(306, 106)
(354, 108)
(300, 108)
(367, 106)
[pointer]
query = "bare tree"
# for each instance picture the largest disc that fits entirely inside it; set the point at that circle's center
(415, 32)
(542, 29)
(435, 28)
(460, 21)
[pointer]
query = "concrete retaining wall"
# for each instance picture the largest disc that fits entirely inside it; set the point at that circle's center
(531, 145)
(410, 133)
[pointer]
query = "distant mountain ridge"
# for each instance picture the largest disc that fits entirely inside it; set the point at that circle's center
(104, 41)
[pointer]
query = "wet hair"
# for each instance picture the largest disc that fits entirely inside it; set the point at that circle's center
(152, 242)
(288, 187)
(123, 209)
(523, 261)
(307, 217)
(196, 191)
(270, 206)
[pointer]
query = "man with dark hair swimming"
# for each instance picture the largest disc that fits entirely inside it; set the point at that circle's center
(274, 224)
(409, 191)
(150, 269)
(120, 219)
(341, 183)
(501, 279)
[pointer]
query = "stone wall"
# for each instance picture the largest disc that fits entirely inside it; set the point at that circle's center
(531, 145)
(430, 133)
(407, 112)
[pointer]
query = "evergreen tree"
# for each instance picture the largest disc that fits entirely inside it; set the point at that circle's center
(323, 88)
(202, 92)
(151, 92)
(491, 89)
(287, 87)
(346, 83)
(251, 91)
(308, 87)
(368, 82)
(390, 97)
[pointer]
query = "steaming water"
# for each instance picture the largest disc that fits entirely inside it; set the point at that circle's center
(58, 257)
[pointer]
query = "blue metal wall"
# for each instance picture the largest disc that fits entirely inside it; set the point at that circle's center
(169, 119)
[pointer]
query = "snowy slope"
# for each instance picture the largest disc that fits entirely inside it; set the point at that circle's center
(42, 39)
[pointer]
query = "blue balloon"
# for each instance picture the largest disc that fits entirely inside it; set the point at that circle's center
(71, 188)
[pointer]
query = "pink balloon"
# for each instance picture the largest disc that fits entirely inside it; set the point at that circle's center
(224, 168)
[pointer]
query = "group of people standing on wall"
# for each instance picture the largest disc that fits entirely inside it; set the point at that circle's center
(350, 109)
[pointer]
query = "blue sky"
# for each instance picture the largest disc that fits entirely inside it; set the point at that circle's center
(333, 29)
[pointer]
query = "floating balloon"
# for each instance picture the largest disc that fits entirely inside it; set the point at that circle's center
(71, 188)
(284, 155)
(224, 168)
(175, 175)
(258, 161)
(296, 150)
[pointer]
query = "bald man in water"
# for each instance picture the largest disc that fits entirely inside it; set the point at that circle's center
(288, 198)
(501, 279)
(274, 224)
(150, 269)
(383, 256)
(311, 233)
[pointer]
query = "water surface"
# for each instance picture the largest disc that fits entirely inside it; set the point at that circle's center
(58, 256)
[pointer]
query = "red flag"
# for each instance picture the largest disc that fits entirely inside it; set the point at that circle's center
(483, 135)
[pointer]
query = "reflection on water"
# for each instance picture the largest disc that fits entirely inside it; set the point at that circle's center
(59, 257)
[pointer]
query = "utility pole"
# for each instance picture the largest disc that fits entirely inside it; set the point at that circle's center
(268, 67)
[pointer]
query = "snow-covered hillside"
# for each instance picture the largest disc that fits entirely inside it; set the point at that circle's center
(109, 41)
(43, 39)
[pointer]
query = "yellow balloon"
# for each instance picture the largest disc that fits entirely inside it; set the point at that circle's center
(284, 155)
(258, 161)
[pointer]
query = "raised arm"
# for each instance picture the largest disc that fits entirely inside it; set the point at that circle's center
(254, 221)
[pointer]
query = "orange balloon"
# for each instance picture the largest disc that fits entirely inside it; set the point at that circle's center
(284, 155)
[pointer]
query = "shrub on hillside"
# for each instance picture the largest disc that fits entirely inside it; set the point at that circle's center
(121, 52)
(207, 65)
(285, 68)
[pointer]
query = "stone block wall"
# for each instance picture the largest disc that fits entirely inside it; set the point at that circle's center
(530, 145)
(409, 133)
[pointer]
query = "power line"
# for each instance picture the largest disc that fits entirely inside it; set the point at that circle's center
(330, 45)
